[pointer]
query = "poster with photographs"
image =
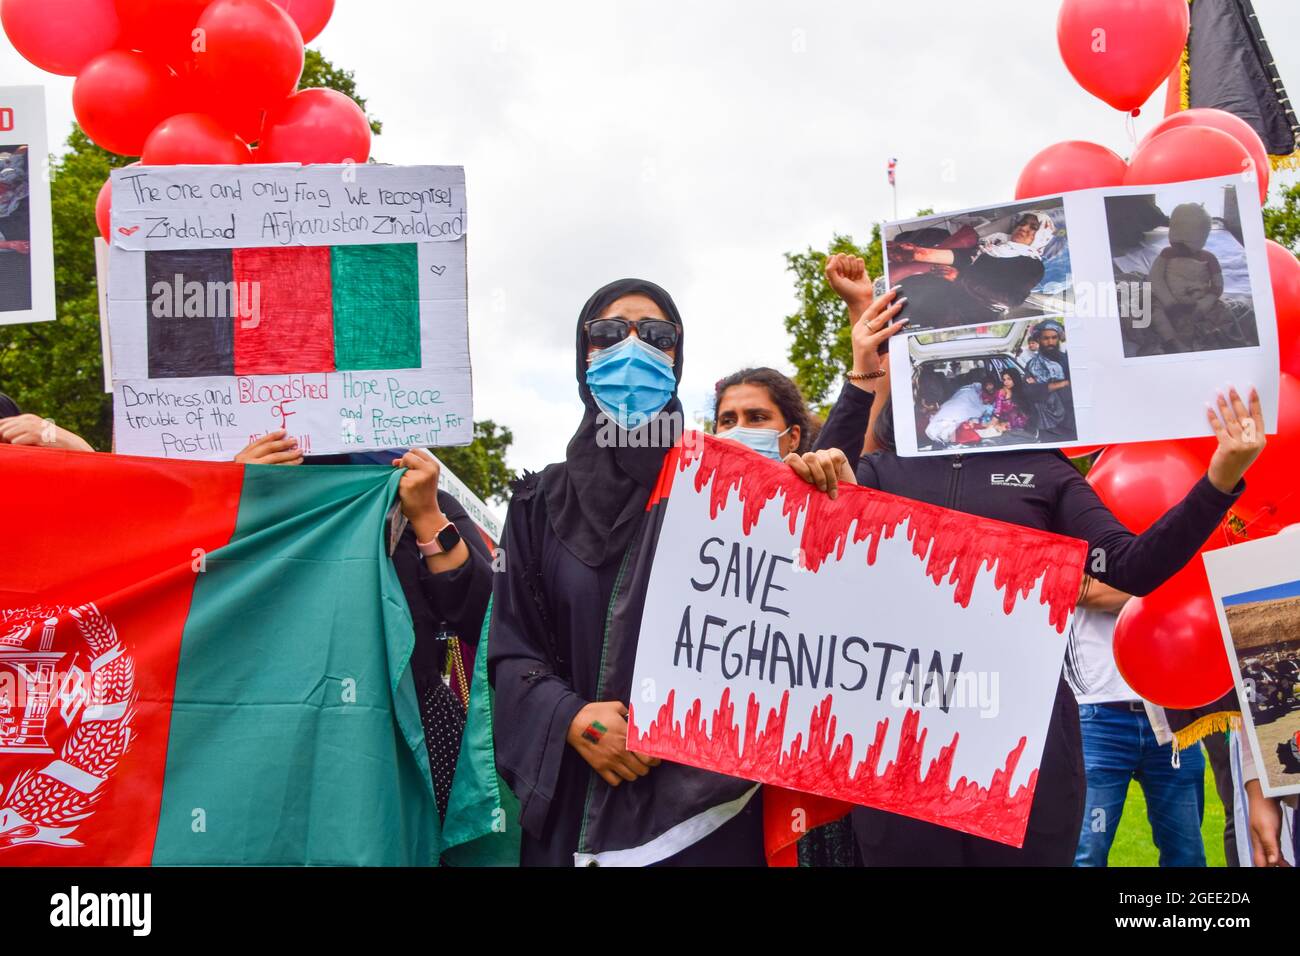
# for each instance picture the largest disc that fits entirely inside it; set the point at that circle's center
(1256, 588)
(1093, 317)
(26, 238)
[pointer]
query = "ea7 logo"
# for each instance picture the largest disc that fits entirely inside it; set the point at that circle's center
(1013, 481)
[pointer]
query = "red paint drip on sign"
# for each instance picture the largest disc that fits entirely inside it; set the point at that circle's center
(950, 543)
(907, 784)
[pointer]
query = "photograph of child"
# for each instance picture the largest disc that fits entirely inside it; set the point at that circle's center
(1181, 274)
(15, 231)
(989, 265)
(1002, 384)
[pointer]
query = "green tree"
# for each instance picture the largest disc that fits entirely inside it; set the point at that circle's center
(482, 465)
(1282, 222)
(820, 348)
(55, 368)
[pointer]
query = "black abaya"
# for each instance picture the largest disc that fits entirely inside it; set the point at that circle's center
(536, 700)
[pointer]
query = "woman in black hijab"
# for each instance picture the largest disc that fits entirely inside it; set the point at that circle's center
(565, 538)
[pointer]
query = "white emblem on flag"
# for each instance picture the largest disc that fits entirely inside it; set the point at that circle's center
(45, 806)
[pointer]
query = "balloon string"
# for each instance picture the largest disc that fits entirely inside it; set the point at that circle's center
(1131, 128)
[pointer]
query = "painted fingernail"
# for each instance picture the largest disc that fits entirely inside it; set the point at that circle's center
(901, 301)
(897, 287)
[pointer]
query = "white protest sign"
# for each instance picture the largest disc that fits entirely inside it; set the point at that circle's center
(26, 234)
(329, 301)
(1092, 317)
(858, 649)
(1256, 588)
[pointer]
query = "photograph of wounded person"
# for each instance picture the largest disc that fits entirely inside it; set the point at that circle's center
(1181, 272)
(1007, 262)
(1002, 384)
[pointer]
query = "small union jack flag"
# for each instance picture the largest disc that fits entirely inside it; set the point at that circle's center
(893, 164)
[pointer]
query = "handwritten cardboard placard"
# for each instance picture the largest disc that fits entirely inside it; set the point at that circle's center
(329, 301)
(205, 207)
(871, 649)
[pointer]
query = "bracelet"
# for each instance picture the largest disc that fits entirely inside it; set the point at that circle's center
(863, 376)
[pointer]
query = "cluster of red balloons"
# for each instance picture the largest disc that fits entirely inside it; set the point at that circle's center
(1167, 644)
(192, 81)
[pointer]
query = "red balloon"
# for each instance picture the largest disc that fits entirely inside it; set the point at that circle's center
(1284, 270)
(1224, 122)
(193, 139)
(1074, 164)
(120, 97)
(104, 209)
(254, 52)
(162, 28)
(1184, 153)
(1121, 50)
(310, 15)
(316, 126)
(1271, 500)
(1141, 481)
(197, 95)
(1168, 646)
(60, 36)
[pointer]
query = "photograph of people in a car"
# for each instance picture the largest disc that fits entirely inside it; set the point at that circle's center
(1007, 383)
(1005, 262)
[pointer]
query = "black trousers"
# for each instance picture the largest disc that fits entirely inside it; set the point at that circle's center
(1055, 819)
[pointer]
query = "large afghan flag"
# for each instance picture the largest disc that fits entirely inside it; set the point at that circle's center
(205, 664)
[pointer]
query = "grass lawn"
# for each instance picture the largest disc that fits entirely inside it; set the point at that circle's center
(1133, 845)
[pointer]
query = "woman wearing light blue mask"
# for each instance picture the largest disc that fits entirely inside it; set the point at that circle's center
(763, 410)
(561, 719)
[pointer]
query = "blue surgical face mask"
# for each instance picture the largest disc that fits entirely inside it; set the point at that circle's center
(765, 441)
(631, 381)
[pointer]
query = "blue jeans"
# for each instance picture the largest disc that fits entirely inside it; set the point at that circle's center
(1119, 747)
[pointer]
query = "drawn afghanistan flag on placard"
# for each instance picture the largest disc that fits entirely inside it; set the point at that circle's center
(205, 664)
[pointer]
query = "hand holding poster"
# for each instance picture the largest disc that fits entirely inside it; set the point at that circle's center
(1092, 317)
(328, 301)
(870, 649)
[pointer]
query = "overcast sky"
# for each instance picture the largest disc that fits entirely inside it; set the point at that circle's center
(694, 143)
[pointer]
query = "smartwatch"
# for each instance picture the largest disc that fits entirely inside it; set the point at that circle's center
(444, 541)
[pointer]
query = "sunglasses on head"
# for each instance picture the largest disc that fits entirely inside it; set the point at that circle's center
(659, 333)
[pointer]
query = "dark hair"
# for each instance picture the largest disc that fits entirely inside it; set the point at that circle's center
(781, 389)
